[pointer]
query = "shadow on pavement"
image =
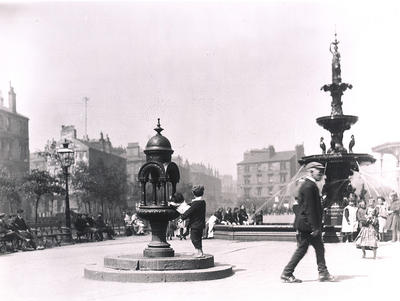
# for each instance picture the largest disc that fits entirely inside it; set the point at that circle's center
(339, 278)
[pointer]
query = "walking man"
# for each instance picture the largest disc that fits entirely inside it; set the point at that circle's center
(308, 224)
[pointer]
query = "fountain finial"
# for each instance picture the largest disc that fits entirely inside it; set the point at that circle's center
(158, 129)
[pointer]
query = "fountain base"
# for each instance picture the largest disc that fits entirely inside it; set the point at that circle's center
(137, 268)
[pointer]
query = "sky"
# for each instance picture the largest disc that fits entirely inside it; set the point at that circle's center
(223, 77)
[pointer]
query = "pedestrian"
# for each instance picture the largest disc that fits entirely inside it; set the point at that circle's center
(171, 229)
(196, 215)
(210, 225)
(394, 210)
(382, 210)
(308, 223)
(349, 222)
(243, 217)
(367, 239)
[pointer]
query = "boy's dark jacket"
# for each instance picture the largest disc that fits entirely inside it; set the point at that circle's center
(196, 214)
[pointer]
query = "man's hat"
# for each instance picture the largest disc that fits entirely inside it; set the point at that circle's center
(315, 165)
(2, 215)
(20, 211)
(198, 190)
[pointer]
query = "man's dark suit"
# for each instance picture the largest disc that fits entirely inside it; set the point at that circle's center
(308, 224)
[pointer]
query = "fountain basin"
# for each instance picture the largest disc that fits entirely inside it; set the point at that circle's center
(352, 159)
(337, 123)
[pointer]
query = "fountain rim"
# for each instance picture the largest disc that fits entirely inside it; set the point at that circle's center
(352, 158)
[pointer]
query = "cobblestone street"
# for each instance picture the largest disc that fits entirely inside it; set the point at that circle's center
(57, 273)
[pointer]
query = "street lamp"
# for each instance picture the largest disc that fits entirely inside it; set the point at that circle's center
(66, 159)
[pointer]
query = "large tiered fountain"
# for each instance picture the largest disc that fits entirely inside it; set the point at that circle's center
(158, 262)
(338, 161)
(340, 164)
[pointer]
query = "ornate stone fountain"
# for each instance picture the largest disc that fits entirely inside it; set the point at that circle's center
(158, 263)
(162, 175)
(339, 163)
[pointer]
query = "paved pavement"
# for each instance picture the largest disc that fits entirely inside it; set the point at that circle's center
(57, 273)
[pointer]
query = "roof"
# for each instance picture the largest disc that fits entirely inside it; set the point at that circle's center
(387, 148)
(264, 157)
(5, 109)
(98, 146)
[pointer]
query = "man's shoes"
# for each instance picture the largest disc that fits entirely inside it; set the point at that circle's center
(290, 279)
(326, 278)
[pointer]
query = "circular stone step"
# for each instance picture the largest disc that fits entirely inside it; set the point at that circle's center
(180, 261)
(97, 272)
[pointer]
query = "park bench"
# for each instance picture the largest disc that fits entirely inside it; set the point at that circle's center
(51, 233)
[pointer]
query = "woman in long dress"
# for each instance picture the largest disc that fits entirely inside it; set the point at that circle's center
(367, 239)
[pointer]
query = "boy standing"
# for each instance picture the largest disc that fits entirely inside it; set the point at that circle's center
(197, 215)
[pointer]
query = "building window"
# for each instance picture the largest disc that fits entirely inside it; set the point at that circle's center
(270, 178)
(269, 166)
(247, 168)
(247, 180)
(247, 192)
(283, 165)
(259, 191)
(259, 178)
(283, 178)
(270, 188)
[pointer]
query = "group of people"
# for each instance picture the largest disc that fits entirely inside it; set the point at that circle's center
(238, 216)
(15, 230)
(133, 224)
(90, 227)
(368, 223)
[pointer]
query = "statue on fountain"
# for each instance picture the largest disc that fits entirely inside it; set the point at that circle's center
(351, 144)
(337, 87)
(322, 145)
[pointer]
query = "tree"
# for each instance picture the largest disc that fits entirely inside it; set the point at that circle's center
(40, 183)
(107, 184)
(82, 182)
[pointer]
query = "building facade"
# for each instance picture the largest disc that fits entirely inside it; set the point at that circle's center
(228, 189)
(265, 172)
(88, 151)
(14, 137)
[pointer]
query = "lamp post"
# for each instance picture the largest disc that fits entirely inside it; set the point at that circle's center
(66, 159)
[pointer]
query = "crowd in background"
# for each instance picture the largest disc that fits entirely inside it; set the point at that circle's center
(16, 234)
(222, 216)
(92, 228)
(133, 224)
(366, 222)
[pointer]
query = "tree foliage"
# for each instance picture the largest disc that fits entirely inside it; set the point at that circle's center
(105, 184)
(40, 183)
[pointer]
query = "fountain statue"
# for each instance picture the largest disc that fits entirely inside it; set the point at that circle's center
(339, 163)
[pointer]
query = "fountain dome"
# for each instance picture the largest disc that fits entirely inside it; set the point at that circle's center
(158, 148)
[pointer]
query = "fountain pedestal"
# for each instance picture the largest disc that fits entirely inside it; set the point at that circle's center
(332, 223)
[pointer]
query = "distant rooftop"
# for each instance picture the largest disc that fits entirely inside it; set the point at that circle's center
(267, 155)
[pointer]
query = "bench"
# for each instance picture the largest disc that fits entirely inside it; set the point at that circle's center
(52, 233)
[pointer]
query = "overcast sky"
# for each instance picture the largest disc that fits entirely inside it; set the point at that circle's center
(223, 77)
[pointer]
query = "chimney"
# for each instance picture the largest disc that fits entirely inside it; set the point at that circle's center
(12, 100)
(68, 131)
